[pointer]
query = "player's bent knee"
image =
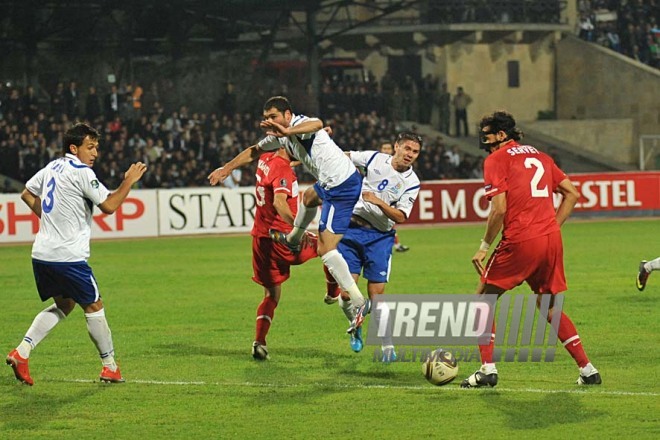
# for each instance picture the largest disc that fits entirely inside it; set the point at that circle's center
(93, 307)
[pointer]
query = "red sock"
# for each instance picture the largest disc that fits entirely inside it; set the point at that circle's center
(332, 288)
(396, 238)
(487, 350)
(265, 313)
(568, 335)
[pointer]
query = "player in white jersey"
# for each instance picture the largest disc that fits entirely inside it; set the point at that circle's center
(336, 191)
(62, 195)
(389, 190)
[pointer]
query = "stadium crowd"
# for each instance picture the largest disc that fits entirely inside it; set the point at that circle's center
(628, 27)
(181, 146)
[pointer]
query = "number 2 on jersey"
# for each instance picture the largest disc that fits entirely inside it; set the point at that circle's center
(49, 201)
(538, 174)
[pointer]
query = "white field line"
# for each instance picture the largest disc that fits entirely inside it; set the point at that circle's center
(588, 390)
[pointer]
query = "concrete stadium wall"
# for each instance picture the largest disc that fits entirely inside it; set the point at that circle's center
(611, 138)
(481, 69)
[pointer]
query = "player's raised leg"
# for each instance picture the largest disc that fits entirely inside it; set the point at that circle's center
(645, 269)
(306, 213)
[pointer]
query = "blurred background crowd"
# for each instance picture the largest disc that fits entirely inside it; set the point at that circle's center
(628, 27)
(181, 146)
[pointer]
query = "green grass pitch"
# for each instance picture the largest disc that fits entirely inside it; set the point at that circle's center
(182, 311)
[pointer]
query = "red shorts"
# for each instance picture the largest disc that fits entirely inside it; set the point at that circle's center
(271, 261)
(539, 261)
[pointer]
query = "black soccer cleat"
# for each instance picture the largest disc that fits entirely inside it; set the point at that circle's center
(592, 379)
(642, 276)
(479, 379)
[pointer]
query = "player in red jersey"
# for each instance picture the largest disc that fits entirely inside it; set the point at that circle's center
(277, 204)
(520, 181)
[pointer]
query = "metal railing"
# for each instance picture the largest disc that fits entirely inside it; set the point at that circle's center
(649, 152)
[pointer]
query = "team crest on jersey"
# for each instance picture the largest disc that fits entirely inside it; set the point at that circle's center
(396, 189)
(94, 183)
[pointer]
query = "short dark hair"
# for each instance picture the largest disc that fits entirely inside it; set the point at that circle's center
(502, 120)
(77, 134)
(281, 103)
(409, 136)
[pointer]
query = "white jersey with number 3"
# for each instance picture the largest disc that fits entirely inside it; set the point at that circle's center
(317, 151)
(399, 190)
(68, 190)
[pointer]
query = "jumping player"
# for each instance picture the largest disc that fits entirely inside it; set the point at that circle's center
(336, 190)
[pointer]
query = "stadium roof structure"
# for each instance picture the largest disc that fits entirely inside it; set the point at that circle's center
(141, 27)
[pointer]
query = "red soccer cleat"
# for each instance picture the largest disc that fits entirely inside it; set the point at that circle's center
(20, 367)
(109, 376)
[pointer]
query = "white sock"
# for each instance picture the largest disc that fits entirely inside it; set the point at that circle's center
(588, 370)
(43, 323)
(346, 306)
(652, 265)
(303, 218)
(342, 274)
(100, 333)
(488, 368)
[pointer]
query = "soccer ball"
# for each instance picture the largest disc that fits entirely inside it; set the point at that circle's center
(440, 367)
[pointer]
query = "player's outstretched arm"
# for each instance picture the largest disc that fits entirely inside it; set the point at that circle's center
(115, 199)
(308, 126)
(33, 201)
(571, 196)
(244, 157)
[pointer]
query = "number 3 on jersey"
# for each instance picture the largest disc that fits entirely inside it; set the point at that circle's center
(49, 201)
(538, 175)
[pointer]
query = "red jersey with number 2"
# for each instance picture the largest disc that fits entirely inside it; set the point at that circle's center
(529, 178)
(274, 175)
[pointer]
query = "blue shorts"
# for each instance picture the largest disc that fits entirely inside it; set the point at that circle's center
(70, 280)
(369, 250)
(338, 204)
